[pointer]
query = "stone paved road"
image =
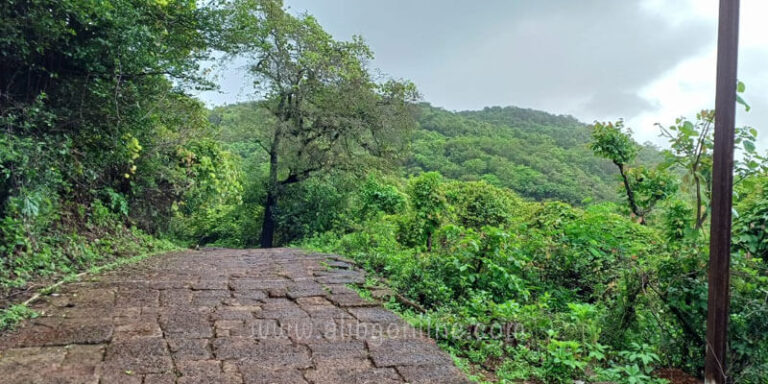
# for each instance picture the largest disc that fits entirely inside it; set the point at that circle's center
(221, 316)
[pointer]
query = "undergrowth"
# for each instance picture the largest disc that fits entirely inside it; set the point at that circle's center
(553, 293)
(14, 314)
(11, 316)
(67, 254)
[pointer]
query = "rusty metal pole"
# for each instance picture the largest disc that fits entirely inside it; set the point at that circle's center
(722, 192)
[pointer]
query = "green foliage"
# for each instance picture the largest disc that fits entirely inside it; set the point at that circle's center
(212, 195)
(642, 355)
(651, 186)
(90, 125)
(691, 150)
(635, 367)
(578, 294)
(378, 198)
(566, 284)
(750, 223)
(643, 187)
(315, 206)
(98, 134)
(58, 254)
(12, 315)
(328, 111)
(678, 221)
(478, 203)
(526, 290)
(614, 142)
(691, 146)
(562, 363)
(428, 203)
(587, 252)
(538, 155)
(682, 288)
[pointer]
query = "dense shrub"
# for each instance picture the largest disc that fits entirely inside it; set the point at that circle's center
(478, 203)
(97, 128)
(376, 198)
(578, 293)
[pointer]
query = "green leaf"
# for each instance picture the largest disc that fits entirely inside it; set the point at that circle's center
(742, 102)
(688, 129)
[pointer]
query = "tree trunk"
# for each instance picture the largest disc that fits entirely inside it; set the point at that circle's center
(630, 194)
(699, 214)
(268, 224)
(429, 242)
(270, 205)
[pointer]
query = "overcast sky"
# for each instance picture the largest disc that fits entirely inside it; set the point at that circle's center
(645, 61)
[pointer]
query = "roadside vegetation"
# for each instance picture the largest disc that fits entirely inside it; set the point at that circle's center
(532, 246)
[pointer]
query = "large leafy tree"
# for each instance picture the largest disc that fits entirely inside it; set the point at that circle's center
(77, 52)
(84, 83)
(94, 113)
(328, 111)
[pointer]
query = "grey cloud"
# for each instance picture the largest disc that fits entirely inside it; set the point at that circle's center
(564, 59)
(607, 103)
(587, 58)
(754, 73)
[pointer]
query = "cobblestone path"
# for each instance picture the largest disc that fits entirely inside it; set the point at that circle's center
(221, 316)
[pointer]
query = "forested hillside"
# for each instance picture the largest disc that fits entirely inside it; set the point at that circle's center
(532, 246)
(536, 154)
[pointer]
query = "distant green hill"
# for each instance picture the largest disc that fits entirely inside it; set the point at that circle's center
(537, 154)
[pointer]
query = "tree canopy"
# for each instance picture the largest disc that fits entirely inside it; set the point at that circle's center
(328, 113)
